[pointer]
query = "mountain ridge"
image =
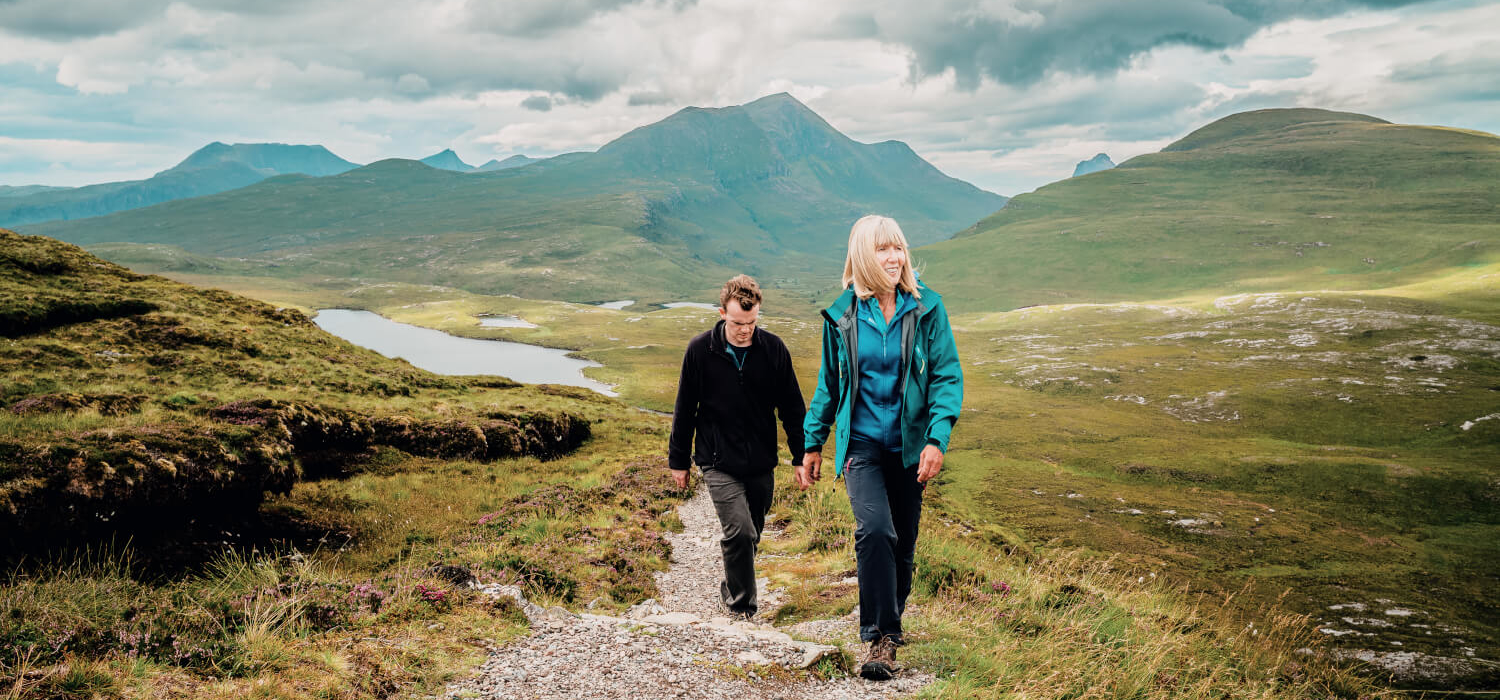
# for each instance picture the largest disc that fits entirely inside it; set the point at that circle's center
(446, 159)
(216, 167)
(767, 188)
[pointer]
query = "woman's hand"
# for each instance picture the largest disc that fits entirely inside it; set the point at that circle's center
(811, 469)
(930, 464)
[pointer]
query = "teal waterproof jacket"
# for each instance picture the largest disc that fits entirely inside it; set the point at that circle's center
(932, 380)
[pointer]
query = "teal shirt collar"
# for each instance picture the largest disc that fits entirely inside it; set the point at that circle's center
(870, 309)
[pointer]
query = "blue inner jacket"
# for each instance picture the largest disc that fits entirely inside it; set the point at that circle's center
(876, 416)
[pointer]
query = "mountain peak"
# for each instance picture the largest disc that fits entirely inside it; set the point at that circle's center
(776, 98)
(1093, 165)
(446, 159)
(266, 158)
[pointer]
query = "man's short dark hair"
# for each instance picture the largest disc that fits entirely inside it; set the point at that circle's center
(742, 289)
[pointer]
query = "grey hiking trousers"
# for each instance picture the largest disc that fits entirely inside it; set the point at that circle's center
(742, 503)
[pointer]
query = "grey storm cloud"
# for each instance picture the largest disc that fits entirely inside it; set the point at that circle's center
(1468, 78)
(1019, 43)
(538, 17)
(306, 40)
(648, 99)
(70, 19)
(78, 18)
(537, 103)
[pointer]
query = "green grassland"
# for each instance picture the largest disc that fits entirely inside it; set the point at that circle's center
(1256, 202)
(1305, 442)
(1330, 444)
(367, 605)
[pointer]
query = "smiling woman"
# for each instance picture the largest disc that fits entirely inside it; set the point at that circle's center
(892, 384)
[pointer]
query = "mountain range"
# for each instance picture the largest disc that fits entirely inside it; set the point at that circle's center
(215, 168)
(448, 160)
(668, 209)
(1257, 201)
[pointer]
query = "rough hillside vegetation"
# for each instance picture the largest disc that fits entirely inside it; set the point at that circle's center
(203, 495)
(136, 404)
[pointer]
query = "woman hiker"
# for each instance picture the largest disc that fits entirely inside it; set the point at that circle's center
(890, 381)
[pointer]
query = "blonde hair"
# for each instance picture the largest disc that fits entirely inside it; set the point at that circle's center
(862, 270)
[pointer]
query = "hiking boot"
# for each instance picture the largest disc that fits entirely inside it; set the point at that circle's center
(736, 615)
(880, 664)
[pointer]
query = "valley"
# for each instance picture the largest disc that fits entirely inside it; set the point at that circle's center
(1240, 398)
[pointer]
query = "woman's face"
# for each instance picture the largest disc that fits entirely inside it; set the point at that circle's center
(892, 259)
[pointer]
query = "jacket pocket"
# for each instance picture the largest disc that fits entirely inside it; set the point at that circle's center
(709, 445)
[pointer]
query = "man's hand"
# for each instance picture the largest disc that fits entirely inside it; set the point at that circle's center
(931, 463)
(681, 477)
(811, 469)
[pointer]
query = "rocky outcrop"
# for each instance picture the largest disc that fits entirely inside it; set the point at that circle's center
(1093, 165)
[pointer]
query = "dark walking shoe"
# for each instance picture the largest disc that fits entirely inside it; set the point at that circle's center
(736, 615)
(880, 664)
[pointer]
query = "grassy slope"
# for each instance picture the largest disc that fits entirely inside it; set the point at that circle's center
(350, 618)
(1260, 201)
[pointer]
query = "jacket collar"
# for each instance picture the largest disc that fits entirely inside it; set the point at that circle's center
(839, 312)
(717, 343)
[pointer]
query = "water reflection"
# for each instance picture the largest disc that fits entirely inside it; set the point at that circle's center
(505, 321)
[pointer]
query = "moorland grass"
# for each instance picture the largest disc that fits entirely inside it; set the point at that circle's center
(1079, 614)
(345, 580)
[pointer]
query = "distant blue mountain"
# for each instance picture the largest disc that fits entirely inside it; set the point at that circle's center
(767, 188)
(1093, 165)
(508, 163)
(448, 160)
(215, 168)
(24, 190)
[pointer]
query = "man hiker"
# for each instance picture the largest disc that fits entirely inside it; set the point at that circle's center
(736, 381)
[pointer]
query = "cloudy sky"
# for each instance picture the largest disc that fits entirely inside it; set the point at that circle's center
(1008, 94)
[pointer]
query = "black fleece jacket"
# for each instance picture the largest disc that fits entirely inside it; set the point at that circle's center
(733, 410)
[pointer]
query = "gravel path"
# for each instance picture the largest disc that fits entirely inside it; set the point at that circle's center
(692, 582)
(677, 647)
